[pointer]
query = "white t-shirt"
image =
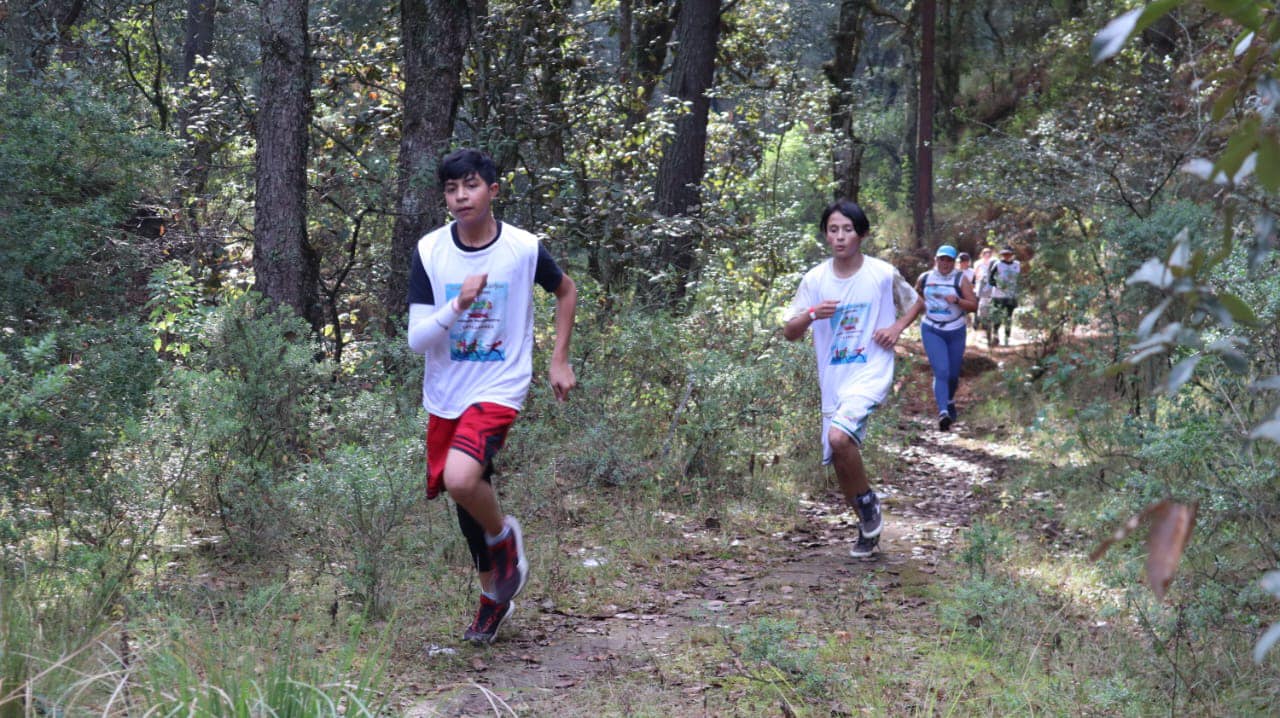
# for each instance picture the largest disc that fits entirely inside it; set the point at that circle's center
(850, 363)
(488, 352)
(1003, 277)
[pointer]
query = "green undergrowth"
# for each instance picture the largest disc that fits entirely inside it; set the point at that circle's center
(1018, 621)
(1064, 634)
(625, 512)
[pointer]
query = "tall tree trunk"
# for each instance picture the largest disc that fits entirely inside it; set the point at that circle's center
(922, 205)
(285, 266)
(846, 157)
(435, 35)
(198, 43)
(678, 186)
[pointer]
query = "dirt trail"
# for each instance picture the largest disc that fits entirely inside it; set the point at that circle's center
(554, 664)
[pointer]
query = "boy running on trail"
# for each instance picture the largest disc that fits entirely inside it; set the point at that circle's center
(471, 285)
(851, 302)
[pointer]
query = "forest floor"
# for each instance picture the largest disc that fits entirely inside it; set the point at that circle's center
(665, 653)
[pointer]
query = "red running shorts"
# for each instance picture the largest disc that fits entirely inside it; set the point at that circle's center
(478, 433)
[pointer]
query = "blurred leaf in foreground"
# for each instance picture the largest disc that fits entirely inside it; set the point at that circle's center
(1170, 528)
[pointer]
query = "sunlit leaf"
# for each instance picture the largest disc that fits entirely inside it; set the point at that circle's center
(1263, 236)
(1271, 583)
(1112, 37)
(1227, 345)
(1246, 168)
(1243, 44)
(1199, 167)
(1180, 257)
(1270, 383)
(1148, 323)
(1240, 147)
(1159, 342)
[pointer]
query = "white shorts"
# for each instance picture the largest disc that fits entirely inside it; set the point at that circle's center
(850, 417)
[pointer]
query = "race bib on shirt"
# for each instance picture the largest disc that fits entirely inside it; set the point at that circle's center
(478, 334)
(848, 330)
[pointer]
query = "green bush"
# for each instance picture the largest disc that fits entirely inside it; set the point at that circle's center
(66, 399)
(778, 647)
(248, 401)
(71, 167)
(671, 401)
(359, 496)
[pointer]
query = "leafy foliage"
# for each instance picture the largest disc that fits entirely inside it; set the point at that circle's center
(248, 405)
(71, 170)
(358, 498)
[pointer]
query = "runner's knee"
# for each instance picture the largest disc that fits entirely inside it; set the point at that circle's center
(841, 441)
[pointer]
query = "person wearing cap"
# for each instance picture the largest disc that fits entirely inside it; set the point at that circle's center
(963, 263)
(1003, 276)
(945, 295)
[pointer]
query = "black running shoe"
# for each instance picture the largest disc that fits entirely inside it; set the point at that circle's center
(944, 421)
(865, 546)
(868, 506)
(488, 619)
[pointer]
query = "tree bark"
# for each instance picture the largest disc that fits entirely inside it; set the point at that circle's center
(649, 27)
(922, 205)
(550, 18)
(435, 35)
(678, 186)
(846, 157)
(285, 266)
